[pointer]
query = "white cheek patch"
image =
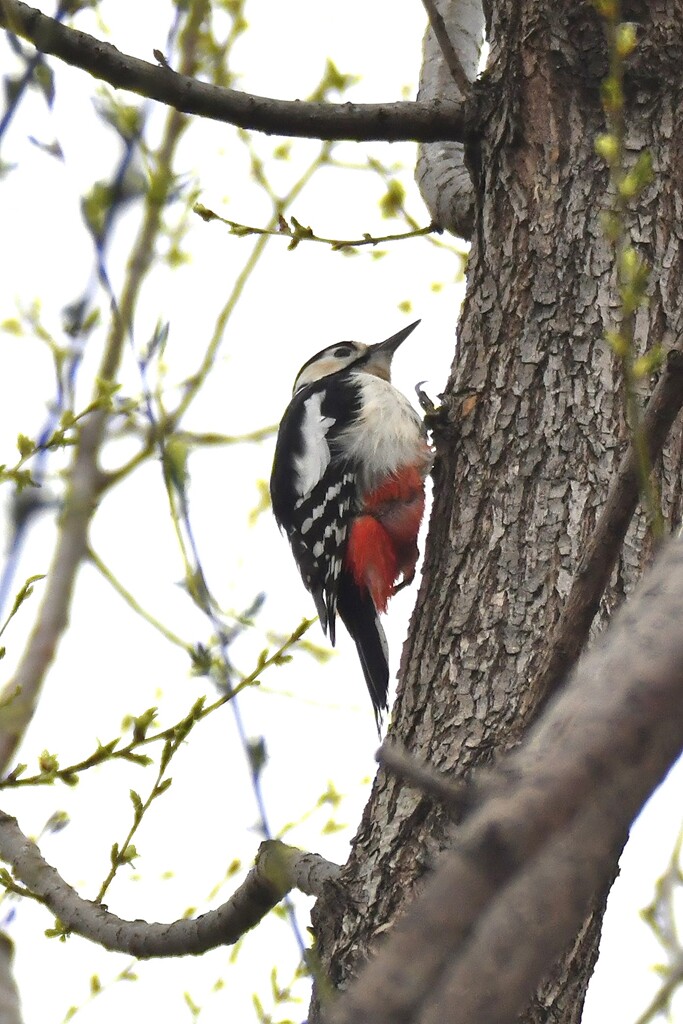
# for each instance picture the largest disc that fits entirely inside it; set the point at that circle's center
(315, 458)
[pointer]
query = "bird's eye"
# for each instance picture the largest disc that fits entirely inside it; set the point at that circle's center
(343, 351)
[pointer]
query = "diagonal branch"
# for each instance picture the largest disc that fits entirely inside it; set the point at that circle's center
(493, 975)
(447, 49)
(457, 795)
(528, 860)
(602, 550)
(278, 869)
(422, 122)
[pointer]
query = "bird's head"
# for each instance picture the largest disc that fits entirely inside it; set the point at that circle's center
(375, 359)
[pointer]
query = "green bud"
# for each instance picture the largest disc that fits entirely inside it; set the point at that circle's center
(626, 38)
(617, 342)
(648, 363)
(607, 146)
(128, 855)
(175, 462)
(633, 183)
(607, 8)
(48, 763)
(611, 225)
(629, 263)
(612, 95)
(25, 445)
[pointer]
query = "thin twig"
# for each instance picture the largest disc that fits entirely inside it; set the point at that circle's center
(297, 232)
(421, 122)
(632, 271)
(130, 600)
(280, 206)
(661, 1002)
(85, 480)
(131, 751)
(444, 40)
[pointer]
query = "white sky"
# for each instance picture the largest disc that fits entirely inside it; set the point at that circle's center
(316, 718)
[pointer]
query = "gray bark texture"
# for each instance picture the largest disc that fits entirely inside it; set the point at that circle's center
(534, 431)
(441, 174)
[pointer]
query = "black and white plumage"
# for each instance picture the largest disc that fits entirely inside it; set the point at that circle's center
(347, 441)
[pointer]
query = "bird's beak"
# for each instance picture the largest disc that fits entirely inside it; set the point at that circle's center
(380, 356)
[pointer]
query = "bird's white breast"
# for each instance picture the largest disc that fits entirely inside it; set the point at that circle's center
(387, 435)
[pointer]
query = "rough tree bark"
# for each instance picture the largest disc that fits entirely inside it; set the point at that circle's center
(535, 429)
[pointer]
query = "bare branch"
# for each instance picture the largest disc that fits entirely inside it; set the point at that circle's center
(578, 780)
(456, 795)
(602, 550)
(278, 869)
(495, 973)
(356, 121)
(450, 56)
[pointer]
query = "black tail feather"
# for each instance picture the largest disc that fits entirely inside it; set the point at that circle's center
(358, 613)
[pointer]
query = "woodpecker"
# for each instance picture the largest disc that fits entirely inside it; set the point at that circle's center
(347, 488)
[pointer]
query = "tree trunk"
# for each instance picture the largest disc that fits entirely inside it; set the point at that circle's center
(535, 430)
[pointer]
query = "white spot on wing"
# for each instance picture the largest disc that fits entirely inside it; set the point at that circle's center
(315, 458)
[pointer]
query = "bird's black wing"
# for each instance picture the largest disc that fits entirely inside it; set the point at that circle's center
(314, 491)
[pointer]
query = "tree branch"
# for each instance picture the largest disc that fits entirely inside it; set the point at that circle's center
(567, 797)
(456, 795)
(297, 232)
(444, 40)
(494, 974)
(278, 869)
(356, 121)
(601, 552)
